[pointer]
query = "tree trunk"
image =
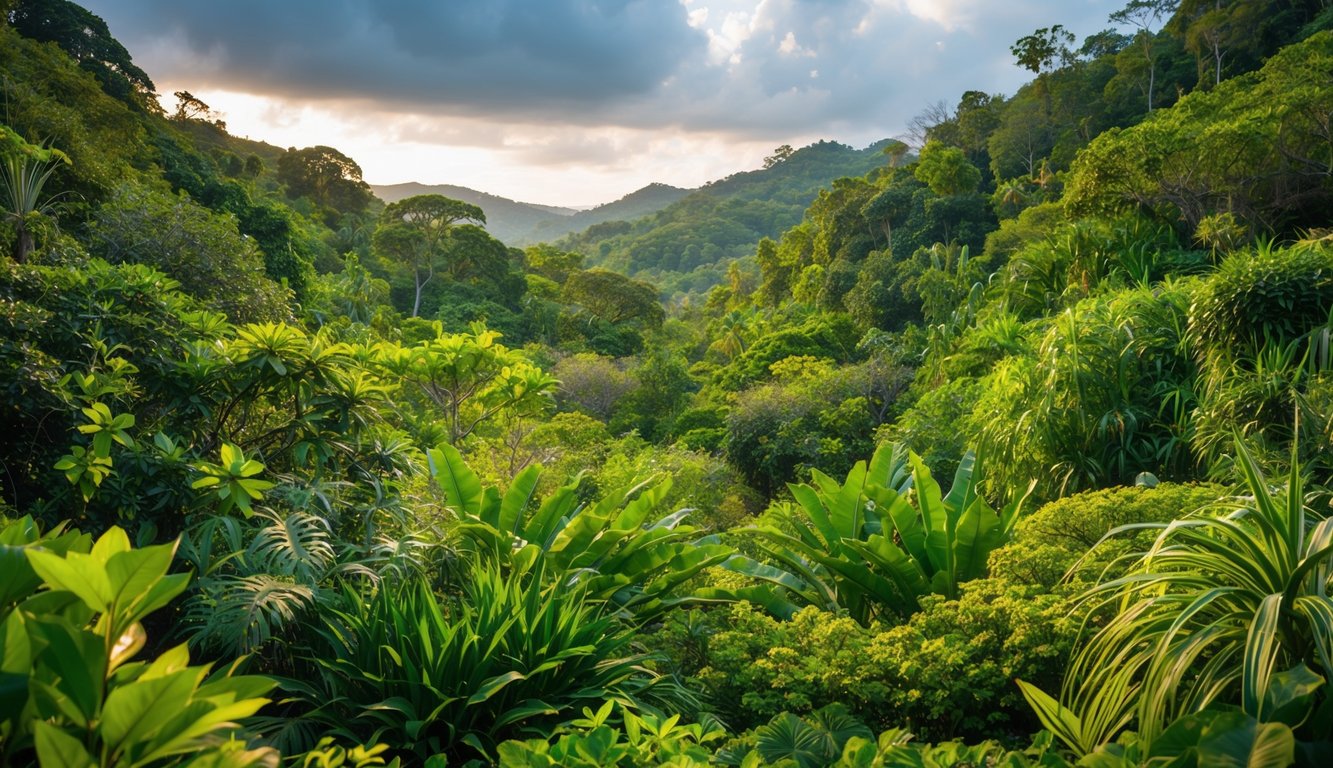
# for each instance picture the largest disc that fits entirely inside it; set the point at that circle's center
(416, 303)
(23, 245)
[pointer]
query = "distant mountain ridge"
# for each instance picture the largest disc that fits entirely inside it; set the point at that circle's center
(507, 220)
(518, 224)
(637, 204)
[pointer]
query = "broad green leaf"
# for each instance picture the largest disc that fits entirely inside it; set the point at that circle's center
(84, 575)
(934, 516)
(1289, 695)
(517, 498)
(77, 659)
(976, 536)
(57, 749)
(1236, 740)
(137, 713)
(462, 488)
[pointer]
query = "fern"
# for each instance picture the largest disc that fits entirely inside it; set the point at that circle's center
(236, 615)
(297, 545)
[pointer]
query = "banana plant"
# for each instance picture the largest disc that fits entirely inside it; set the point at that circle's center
(877, 542)
(616, 549)
(71, 692)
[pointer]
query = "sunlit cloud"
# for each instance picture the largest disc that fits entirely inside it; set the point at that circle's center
(578, 100)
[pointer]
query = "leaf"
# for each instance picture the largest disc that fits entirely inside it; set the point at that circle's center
(517, 498)
(974, 539)
(1289, 695)
(462, 488)
(75, 572)
(1057, 719)
(494, 685)
(77, 659)
(788, 737)
(55, 748)
(1236, 740)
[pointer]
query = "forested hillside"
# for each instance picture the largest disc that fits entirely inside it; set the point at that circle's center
(1008, 446)
(689, 245)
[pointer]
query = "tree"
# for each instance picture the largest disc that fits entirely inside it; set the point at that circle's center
(780, 155)
(413, 232)
(189, 107)
(1214, 29)
(24, 172)
(200, 249)
(614, 298)
(86, 38)
(1144, 16)
(1041, 50)
(946, 170)
(551, 262)
(325, 175)
(469, 377)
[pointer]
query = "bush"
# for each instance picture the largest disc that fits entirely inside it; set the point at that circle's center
(947, 671)
(1265, 296)
(1048, 542)
(71, 615)
(518, 655)
(202, 250)
(1106, 394)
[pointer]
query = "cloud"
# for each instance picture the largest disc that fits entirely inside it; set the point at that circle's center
(755, 67)
(466, 56)
(587, 88)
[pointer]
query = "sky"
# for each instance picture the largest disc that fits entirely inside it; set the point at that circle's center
(577, 102)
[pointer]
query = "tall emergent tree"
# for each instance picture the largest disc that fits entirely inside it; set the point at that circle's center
(413, 232)
(1145, 16)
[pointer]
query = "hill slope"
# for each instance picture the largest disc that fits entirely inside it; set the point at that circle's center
(643, 202)
(507, 220)
(688, 243)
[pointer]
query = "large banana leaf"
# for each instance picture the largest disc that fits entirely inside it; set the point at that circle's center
(620, 549)
(865, 548)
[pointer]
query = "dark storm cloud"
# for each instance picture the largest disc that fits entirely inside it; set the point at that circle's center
(472, 56)
(795, 67)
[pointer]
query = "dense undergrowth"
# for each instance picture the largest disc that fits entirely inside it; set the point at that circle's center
(982, 463)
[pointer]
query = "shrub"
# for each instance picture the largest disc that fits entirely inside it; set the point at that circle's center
(947, 671)
(1107, 394)
(518, 655)
(1227, 607)
(71, 694)
(876, 543)
(1265, 296)
(1048, 542)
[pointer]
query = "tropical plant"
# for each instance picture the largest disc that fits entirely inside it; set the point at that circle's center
(813, 741)
(517, 656)
(1230, 606)
(877, 542)
(72, 693)
(24, 173)
(466, 379)
(641, 739)
(1107, 394)
(894, 747)
(617, 549)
